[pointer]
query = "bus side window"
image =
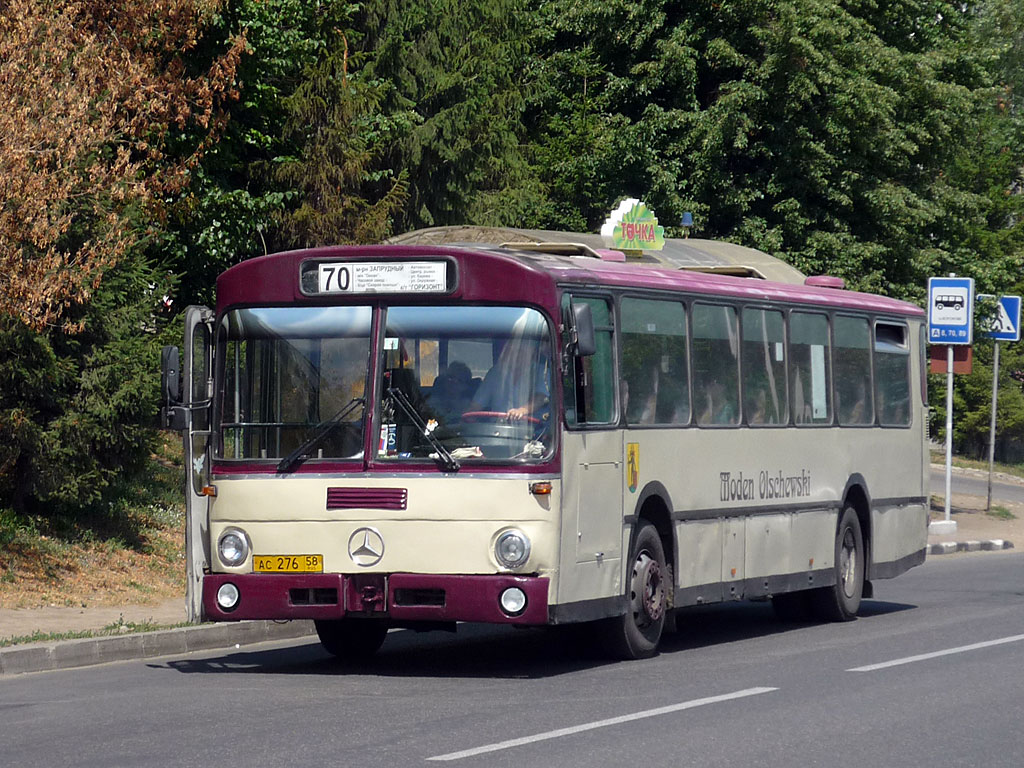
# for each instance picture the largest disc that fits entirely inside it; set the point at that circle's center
(589, 382)
(764, 367)
(892, 374)
(715, 364)
(851, 362)
(809, 368)
(655, 383)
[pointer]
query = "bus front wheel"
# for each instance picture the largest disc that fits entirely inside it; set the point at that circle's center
(351, 638)
(636, 634)
(841, 601)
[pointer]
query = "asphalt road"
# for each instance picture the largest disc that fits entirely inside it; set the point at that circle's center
(972, 485)
(735, 687)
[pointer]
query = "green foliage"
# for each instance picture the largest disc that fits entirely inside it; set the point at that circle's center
(449, 75)
(331, 119)
(76, 409)
(825, 133)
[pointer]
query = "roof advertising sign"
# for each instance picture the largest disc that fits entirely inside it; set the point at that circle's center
(633, 227)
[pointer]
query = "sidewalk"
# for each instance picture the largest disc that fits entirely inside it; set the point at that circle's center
(976, 532)
(64, 654)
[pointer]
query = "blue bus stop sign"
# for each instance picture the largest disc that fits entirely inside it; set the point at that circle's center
(950, 310)
(1005, 324)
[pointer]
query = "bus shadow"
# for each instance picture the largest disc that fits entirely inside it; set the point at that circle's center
(706, 626)
(488, 652)
(475, 651)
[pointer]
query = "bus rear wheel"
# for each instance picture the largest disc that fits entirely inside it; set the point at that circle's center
(841, 601)
(636, 634)
(351, 638)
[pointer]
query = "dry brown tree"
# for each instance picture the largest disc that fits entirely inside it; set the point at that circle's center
(91, 91)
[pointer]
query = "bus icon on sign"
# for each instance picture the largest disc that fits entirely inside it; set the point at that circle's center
(954, 301)
(950, 307)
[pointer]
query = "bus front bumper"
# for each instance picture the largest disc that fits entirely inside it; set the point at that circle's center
(400, 597)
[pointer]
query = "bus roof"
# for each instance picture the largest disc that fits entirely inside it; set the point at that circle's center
(563, 259)
(677, 254)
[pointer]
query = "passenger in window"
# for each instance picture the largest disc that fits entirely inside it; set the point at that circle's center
(451, 393)
(718, 408)
(759, 411)
(857, 413)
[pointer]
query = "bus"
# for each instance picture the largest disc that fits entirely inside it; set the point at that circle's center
(543, 432)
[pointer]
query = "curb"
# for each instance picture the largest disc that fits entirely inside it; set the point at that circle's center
(951, 547)
(67, 654)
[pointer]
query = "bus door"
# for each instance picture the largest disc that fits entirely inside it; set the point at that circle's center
(592, 463)
(188, 409)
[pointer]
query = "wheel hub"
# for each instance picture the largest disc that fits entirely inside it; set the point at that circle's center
(648, 590)
(848, 564)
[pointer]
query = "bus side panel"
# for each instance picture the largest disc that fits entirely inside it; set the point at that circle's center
(590, 580)
(900, 538)
(698, 565)
(769, 545)
(811, 542)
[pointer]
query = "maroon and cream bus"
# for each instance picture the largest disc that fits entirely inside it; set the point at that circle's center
(542, 432)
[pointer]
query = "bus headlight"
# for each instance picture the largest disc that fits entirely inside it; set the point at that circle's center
(233, 547)
(512, 548)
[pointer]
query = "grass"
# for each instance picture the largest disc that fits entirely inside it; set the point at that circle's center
(1016, 470)
(125, 549)
(1001, 513)
(120, 627)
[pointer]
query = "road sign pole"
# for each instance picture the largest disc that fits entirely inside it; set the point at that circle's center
(950, 321)
(992, 425)
(949, 427)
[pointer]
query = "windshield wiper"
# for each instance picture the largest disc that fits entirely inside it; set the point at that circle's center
(448, 462)
(322, 430)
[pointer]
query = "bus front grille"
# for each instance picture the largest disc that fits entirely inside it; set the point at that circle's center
(315, 596)
(394, 499)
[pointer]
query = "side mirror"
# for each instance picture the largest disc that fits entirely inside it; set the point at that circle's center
(583, 330)
(170, 377)
(172, 414)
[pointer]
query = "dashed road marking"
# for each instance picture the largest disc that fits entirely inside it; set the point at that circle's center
(600, 724)
(937, 654)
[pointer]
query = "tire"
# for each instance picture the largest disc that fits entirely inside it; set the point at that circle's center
(841, 601)
(637, 633)
(351, 638)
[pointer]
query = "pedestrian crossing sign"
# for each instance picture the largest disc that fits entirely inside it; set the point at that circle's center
(1004, 323)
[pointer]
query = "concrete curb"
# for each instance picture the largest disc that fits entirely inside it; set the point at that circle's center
(951, 547)
(66, 654)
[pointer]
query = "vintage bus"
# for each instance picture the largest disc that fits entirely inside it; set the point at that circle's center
(543, 432)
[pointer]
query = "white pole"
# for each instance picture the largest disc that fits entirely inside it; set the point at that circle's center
(992, 425)
(949, 426)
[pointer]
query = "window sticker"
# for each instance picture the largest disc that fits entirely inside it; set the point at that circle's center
(819, 407)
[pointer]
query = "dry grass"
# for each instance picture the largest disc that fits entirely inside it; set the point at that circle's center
(129, 551)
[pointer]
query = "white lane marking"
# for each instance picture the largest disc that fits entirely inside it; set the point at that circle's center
(600, 724)
(937, 654)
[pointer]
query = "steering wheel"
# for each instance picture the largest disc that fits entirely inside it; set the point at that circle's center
(496, 416)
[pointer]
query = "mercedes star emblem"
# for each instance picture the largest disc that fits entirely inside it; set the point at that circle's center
(366, 546)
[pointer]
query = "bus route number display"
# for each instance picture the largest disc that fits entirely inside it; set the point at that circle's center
(384, 277)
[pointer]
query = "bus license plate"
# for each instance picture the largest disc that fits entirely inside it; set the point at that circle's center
(288, 563)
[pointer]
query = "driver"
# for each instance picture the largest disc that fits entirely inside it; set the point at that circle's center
(517, 385)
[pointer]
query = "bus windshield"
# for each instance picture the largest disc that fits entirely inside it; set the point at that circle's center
(477, 380)
(293, 376)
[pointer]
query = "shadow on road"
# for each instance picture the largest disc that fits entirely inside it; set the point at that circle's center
(483, 651)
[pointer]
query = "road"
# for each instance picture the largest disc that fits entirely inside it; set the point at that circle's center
(972, 485)
(735, 687)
